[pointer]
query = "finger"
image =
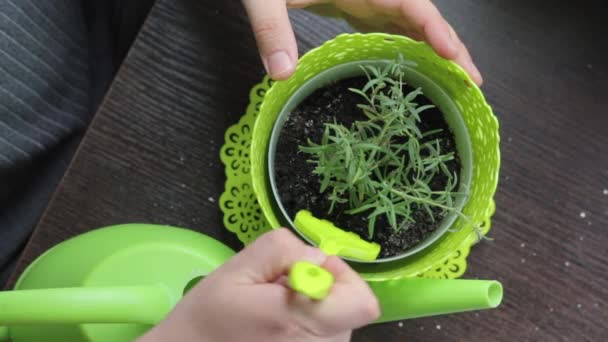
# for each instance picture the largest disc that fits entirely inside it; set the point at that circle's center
(434, 29)
(404, 31)
(371, 24)
(271, 256)
(325, 4)
(424, 18)
(351, 303)
(363, 310)
(271, 305)
(356, 8)
(274, 36)
(463, 58)
(283, 280)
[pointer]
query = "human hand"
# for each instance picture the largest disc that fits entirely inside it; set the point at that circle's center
(418, 19)
(247, 299)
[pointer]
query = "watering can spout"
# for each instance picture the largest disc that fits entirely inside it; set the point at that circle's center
(417, 297)
(78, 305)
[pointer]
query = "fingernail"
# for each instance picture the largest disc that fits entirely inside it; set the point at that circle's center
(476, 74)
(278, 65)
(315, 256)
(452, 42)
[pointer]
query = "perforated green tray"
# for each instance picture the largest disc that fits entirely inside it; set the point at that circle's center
(252, 213)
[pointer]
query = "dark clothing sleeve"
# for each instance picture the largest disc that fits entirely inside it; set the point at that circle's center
(57, 59)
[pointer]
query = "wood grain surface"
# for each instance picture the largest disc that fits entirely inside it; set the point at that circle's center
(152, 153)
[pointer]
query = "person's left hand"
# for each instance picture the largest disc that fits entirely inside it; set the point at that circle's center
(418, 19)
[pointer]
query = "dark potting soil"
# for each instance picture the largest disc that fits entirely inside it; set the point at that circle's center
(299, 188)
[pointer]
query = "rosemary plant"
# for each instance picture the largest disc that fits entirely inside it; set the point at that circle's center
(383, 165)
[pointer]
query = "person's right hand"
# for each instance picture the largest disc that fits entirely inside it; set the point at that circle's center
(246, 299)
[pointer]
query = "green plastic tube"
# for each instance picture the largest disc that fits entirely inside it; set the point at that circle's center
(136, 304)
(418, 297)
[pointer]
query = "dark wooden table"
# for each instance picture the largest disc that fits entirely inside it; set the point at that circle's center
(151, 154)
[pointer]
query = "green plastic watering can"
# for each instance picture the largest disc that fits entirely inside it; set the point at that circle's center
(115, 283)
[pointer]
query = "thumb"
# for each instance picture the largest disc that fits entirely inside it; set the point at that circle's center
(270, 257)
(351, 303)
(274, 36)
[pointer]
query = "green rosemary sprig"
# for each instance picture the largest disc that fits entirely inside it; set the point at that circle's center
(384, 165)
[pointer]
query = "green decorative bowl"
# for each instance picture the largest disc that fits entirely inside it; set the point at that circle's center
(452, 80)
